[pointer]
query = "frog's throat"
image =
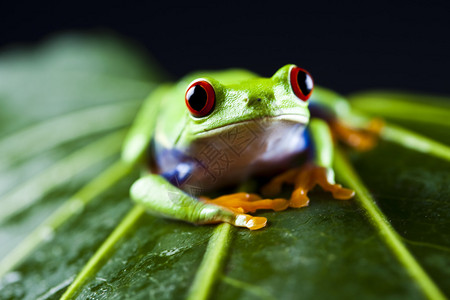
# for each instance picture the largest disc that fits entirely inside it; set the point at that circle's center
(288, 118)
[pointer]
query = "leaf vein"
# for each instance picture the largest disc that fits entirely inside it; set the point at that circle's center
(387, 233)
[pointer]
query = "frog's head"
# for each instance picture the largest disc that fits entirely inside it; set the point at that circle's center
(236, 124)
(217, 103)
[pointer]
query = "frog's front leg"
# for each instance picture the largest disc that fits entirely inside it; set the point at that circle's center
(160, 197)
(317, 171)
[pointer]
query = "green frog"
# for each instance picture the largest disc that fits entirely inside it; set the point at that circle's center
(217, 129)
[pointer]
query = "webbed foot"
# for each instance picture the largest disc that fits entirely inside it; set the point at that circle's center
(362, 139)
(241, 203)
(304, 179)
(244, 202)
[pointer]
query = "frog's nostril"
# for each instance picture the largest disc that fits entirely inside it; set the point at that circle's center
(252, 101)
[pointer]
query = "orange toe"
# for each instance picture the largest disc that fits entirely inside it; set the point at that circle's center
(250, 222)
(299, 198)
(343, 193)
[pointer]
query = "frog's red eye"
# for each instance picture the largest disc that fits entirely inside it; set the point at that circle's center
(200, 98)
(302, 83)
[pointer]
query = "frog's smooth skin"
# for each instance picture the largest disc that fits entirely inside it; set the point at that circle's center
(217, 129)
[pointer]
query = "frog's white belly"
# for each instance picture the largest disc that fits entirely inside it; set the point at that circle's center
(234, 153)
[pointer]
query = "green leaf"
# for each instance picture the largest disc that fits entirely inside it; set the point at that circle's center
(68, 227)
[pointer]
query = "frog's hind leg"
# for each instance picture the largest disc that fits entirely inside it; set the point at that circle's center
(160, 197)
(244, 202)
(362, 139)
(346, 124)
(304, 179)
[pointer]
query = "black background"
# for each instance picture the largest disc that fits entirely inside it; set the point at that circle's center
(346, 46)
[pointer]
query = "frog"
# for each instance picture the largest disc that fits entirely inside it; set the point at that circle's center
(213, 130)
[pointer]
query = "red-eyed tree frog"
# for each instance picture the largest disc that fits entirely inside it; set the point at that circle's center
(216, 129)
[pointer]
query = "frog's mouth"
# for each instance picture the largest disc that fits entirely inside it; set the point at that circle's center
(260, 123)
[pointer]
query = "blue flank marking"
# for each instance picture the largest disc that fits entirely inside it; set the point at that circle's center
(175, 166)
(179, 175)
(308, 146)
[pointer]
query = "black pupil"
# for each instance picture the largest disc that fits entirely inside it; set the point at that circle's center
(197, 97)
(304, 82)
